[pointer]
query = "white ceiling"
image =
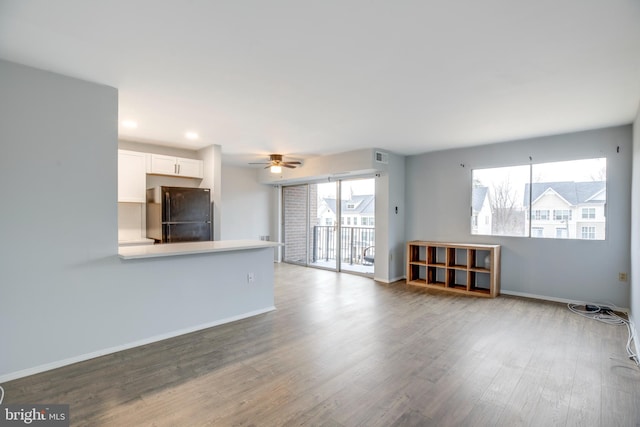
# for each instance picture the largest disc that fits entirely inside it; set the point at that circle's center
(317, 77)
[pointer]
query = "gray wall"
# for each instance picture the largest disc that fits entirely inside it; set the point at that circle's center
(246, 204)
(65, 294)
(635, 230)
(438, 193)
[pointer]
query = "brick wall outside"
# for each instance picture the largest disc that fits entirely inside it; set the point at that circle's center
(295, 213)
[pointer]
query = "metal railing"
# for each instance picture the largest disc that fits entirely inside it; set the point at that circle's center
(354, 242)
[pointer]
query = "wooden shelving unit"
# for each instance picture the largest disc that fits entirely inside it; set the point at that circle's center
(456, 267)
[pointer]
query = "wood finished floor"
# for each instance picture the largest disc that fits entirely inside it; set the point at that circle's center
(342, 350)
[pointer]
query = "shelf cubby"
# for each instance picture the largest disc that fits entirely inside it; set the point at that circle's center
(458, 279)
(437, 276)
(457, 267)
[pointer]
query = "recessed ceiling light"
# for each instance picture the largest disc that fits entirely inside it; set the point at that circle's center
(191, 135)
(131, 124)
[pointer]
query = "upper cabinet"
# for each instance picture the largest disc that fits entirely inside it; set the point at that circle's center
(176, 166)
(132, 178)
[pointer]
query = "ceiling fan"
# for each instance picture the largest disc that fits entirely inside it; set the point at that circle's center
(276, 163)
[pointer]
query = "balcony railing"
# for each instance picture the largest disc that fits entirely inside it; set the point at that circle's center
(354, 242)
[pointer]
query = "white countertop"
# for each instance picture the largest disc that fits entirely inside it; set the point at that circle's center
(173, 249)
(134, 242)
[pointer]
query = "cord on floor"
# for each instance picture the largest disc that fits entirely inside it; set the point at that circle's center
(606, 313)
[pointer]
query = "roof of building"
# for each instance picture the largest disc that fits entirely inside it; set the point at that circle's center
(574, 193)
(364, 204)
(478, 196)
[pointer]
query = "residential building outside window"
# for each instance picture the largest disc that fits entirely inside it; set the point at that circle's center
(543, 200)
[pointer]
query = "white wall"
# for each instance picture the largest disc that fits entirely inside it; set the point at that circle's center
(65, 294)
(212, 179)
(438, 207)
(390, 225)
(246, 204)
(635, 230)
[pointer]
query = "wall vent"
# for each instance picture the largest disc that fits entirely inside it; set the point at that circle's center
(382, 157)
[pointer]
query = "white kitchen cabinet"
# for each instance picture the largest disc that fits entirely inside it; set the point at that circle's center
(132, 177)
(176, 166)
(190, 167)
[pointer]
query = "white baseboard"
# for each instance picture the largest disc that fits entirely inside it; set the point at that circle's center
(395, 279)
(554, 299)
(81, 358)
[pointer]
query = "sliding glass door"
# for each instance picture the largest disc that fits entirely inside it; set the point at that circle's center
(357, 220)
(324, 229)
(330, 225)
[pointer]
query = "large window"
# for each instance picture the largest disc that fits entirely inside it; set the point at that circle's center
(545, 200)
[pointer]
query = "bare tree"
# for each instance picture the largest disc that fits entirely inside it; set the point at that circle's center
(506, 217)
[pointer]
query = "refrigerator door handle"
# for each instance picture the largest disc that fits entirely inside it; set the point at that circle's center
(167, 206)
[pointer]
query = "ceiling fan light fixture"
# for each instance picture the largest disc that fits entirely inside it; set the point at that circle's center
(276, 169)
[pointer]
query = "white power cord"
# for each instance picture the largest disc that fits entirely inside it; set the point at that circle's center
(605, 313)
(1, 394)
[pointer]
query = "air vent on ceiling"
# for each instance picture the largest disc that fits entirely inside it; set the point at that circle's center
(382, 157)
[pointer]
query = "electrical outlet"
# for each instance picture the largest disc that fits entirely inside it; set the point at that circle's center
(622, 277)
(251, 277)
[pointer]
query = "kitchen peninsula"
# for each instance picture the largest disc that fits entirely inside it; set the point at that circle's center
(189, 286)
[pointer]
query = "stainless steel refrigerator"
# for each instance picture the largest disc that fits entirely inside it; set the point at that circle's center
(179, 214)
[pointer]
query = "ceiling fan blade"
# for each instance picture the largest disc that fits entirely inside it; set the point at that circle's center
(286, 165)
(261, 163)
(292, 163)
